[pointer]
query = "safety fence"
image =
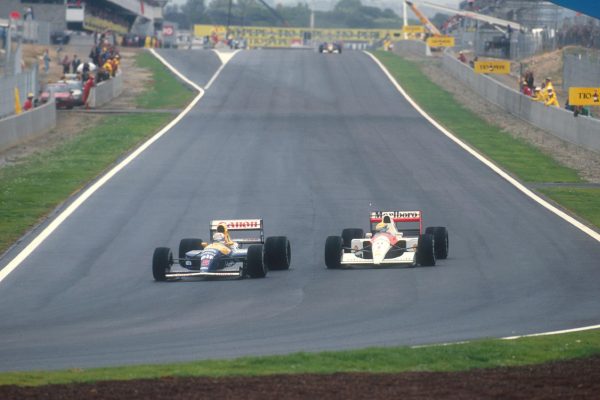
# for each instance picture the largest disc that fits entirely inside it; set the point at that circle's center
(24, 82)
(582, 131)
(580, 70)
(28, 125)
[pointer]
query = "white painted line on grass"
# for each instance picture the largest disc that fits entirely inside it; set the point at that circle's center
(510, 179)
(39, 239)
(589, 231)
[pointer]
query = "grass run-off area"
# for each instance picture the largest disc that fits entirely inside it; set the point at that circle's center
(457, 357)
(514, 155)
(164, 92)
(32, 188)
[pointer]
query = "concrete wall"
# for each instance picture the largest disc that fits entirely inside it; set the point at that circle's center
(28, 125)
(417, 47)
(582, 131)
(105, 91)
(26, 82)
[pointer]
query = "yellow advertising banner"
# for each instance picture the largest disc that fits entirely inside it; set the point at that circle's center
(413, 29)
(440, 41)
(492, 67)
(584, 96)
(260, 36)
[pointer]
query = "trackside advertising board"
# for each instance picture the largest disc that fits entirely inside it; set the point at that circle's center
(440, 41)
(492, 67)
(584, 96)
(260, 36)
(413, 29)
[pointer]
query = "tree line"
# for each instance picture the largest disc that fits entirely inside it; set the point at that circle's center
(345, 14)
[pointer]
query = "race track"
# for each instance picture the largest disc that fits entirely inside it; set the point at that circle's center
(311, 143)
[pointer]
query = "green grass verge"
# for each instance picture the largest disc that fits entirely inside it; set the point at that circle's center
(522, 159)
(582, 201)
(458, 357)
(32, 189)
(166, 91)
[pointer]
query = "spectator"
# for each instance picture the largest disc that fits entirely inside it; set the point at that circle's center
(89, 84)
(66, 64)
(46, 58)
(552, 100)
(529, 79)
(537, 95)
(108, 67)
(75, 63)
(28, 105)
(461, 57)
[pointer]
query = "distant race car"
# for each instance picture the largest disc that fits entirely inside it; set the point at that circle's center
(395, 237)
(225, 256)
(330, 47)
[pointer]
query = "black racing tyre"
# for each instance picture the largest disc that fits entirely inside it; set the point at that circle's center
(255, 266)
(278, 253)
(186, 245)
(426, 251)
(442, 241)
(161, 263)
(351, 233)
(333, 252)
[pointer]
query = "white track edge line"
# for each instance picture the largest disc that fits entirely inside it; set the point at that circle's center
(584, 228)
(595, 235)
(39, 239)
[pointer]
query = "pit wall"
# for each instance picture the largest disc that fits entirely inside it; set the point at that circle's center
(581, 131)
(105, 91)
(28, 125)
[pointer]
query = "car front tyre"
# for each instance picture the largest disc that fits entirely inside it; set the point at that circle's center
(333, 252)
(161, 263)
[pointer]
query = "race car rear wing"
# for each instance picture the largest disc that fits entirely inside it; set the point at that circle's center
(408, 222)
(247, 226)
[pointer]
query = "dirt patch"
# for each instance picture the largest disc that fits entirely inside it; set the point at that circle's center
(585, 162)
(573, 379)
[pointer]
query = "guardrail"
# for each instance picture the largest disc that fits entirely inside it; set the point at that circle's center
(28, 125)
(26, 82)
(582, 131)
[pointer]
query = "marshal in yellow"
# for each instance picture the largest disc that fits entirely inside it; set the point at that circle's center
(584, 96)
(440, 41)
(492, 67)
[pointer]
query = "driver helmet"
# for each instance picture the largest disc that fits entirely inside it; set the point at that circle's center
(219, 237)
(381, 227)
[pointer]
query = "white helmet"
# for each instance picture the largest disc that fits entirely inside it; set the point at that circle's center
(219, 237)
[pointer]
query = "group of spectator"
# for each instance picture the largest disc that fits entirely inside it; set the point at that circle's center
(544, 93)
(107, 59)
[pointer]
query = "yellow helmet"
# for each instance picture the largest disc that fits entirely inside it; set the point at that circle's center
(381, 227)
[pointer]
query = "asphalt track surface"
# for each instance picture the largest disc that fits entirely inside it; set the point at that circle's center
(311, 143)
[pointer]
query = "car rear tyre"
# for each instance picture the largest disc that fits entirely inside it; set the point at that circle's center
(442, 241)
(351, 233)
(278, 253)
(333, 252)
(255, 265)
(186, 245)
(426, 251)
(161, 263)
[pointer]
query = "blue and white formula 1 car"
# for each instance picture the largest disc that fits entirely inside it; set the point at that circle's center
(395, 237)
(225, 256)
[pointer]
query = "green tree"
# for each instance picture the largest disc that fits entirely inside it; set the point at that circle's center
(194, 11)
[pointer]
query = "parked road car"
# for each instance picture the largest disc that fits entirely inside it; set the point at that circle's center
(63, 95)
(330, 47)
(225, 256)
(76, 87)
(395, 237)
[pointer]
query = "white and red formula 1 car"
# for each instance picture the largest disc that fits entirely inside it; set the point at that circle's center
(395, 237)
